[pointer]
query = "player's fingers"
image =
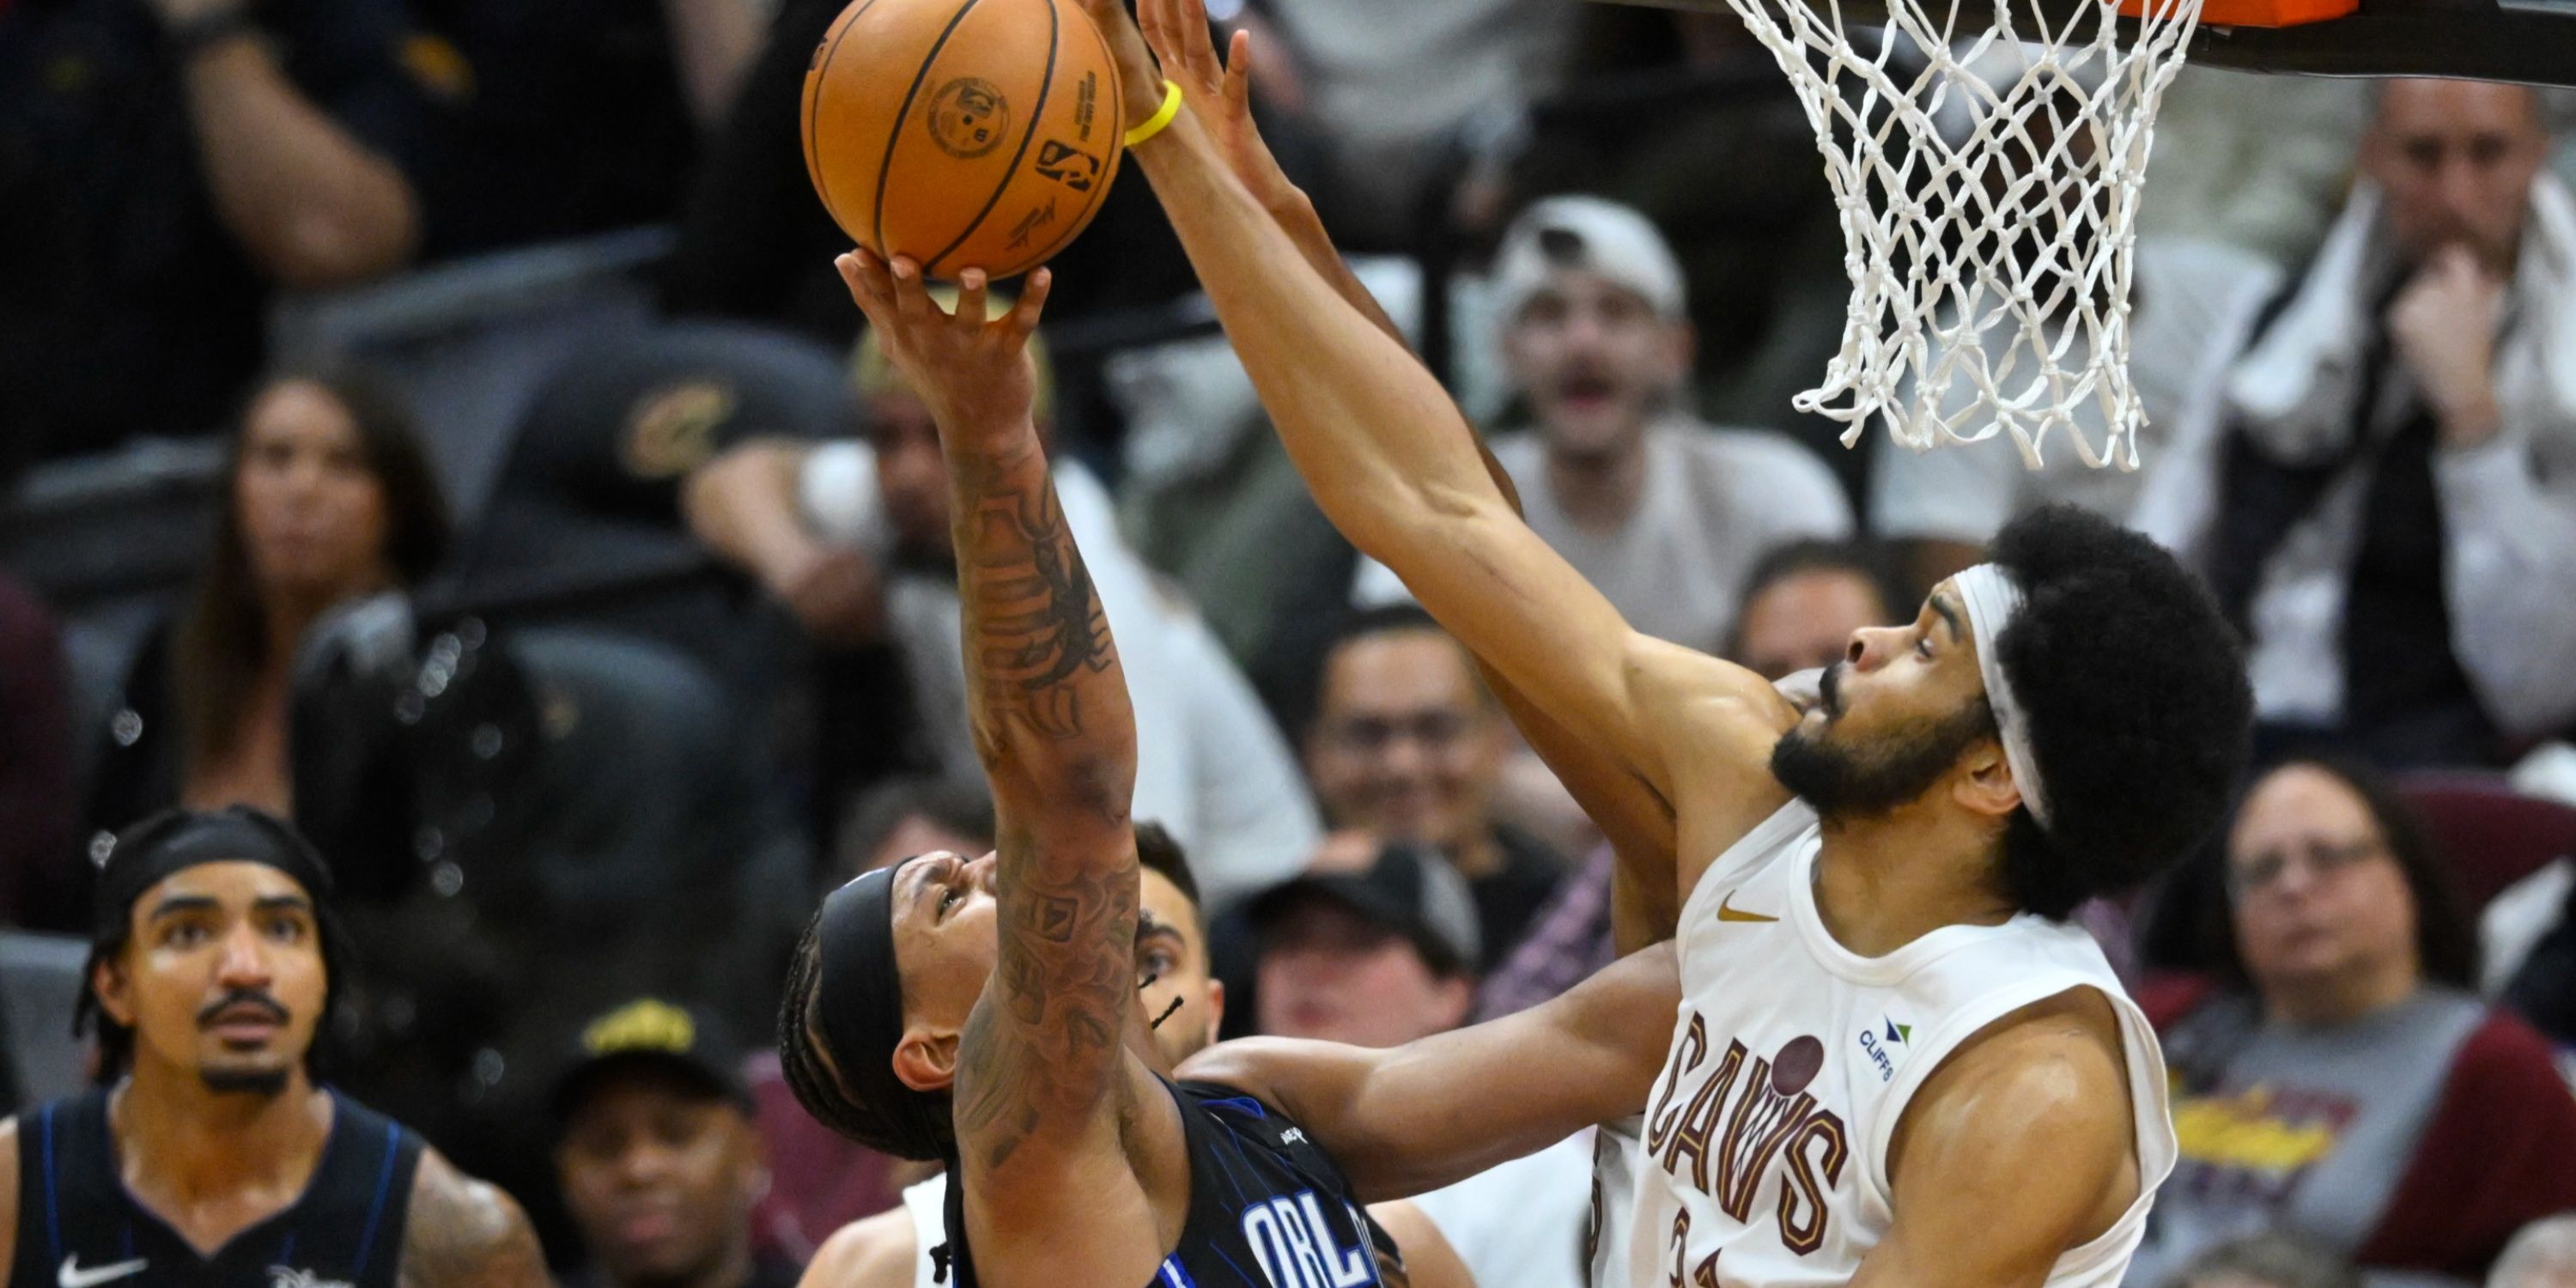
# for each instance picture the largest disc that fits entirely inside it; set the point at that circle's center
(1149, 20)
(863, 274)
(970, 300)
(1238, 74)
(911, 296)
(1190, 22)
(1032, 305)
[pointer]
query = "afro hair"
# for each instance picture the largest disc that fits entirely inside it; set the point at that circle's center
(2140, 715)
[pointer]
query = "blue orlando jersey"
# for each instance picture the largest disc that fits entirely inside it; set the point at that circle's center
(1268, 1208)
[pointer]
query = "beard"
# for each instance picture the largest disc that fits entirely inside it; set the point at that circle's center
(1893, 769)
(267, 1084)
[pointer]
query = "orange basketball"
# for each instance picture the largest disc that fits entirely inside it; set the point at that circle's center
(963, 133)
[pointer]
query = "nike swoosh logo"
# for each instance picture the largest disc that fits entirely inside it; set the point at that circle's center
(1727, 912)
(72, 1276)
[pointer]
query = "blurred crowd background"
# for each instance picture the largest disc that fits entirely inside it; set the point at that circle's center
(439, 421)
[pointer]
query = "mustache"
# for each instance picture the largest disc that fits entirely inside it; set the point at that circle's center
(250, 997)
(1830, 688)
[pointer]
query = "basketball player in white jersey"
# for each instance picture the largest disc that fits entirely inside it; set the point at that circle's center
(1892, 1062)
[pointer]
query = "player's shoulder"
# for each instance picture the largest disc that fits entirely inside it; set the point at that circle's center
(460, 1230)
(875, 1252)
(2054, 1068)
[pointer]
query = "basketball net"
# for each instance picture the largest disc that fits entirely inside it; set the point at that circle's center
(1987, 183)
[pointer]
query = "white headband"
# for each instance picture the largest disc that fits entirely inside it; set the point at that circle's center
(1992, 601)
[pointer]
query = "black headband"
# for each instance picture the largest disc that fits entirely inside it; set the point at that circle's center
(147, 853)
(858, 1005)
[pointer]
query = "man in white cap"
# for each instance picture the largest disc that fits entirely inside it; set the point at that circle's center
(1660, 510)
(1876, 1053)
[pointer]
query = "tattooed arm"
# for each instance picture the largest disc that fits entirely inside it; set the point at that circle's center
(465, 1233)
(1055, 1120)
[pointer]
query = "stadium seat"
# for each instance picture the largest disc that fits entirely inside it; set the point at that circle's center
(40, 979)
(2492, 834)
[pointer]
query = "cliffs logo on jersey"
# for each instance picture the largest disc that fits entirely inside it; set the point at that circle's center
(1882, 1045)
(1298, 1248)
(1748, 1117)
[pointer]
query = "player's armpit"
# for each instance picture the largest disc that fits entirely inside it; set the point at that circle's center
(465, 1233)
(1422, 1256)
(1405, 1120)
(2019, 1148)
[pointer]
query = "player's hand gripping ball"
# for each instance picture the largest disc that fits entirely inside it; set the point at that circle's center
(962, 133)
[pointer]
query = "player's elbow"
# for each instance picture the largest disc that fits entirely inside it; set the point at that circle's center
(1089, 782)
(1412, 518)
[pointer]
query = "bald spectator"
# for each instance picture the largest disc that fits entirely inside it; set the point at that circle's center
(2389, 494)
(2543, 1255)
(1660, 510)
(170, 165)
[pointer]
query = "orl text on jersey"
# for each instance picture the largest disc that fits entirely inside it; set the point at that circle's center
(1298, 1248)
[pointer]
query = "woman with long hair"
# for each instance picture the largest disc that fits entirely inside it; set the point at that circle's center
(329, 499)
(2338, 1077)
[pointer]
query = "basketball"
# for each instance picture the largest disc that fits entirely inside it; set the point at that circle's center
(962, 133)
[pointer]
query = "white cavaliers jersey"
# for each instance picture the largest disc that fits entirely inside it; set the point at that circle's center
(1763, 1162)
(925, 1203)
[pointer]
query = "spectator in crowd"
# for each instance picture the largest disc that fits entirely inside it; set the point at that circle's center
(2543, 1255)
(1379, 950)
(2340, 1079)
(656, 1152)
(1730, 175)
(1801, 604)
(892, 1249)
(573, 118)
(2266, 1261)
(908, 815)
(1375, 952)
(853, 537)
(169, 165)
(1407, 744)
(330, 503)
(1662, 512)
(39, 879)
(2386, 498)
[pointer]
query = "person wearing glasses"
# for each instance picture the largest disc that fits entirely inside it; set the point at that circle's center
(2339, 1078)
(1406, 744)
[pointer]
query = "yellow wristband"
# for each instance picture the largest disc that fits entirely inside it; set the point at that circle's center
(1162, 116)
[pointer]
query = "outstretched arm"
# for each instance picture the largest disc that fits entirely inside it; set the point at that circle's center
(1044, 1091)
(1394, 1117)
(1638, 820)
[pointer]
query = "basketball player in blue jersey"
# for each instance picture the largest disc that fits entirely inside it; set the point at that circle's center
(209, 1156)
(1891, 1061)
(984, 1011)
